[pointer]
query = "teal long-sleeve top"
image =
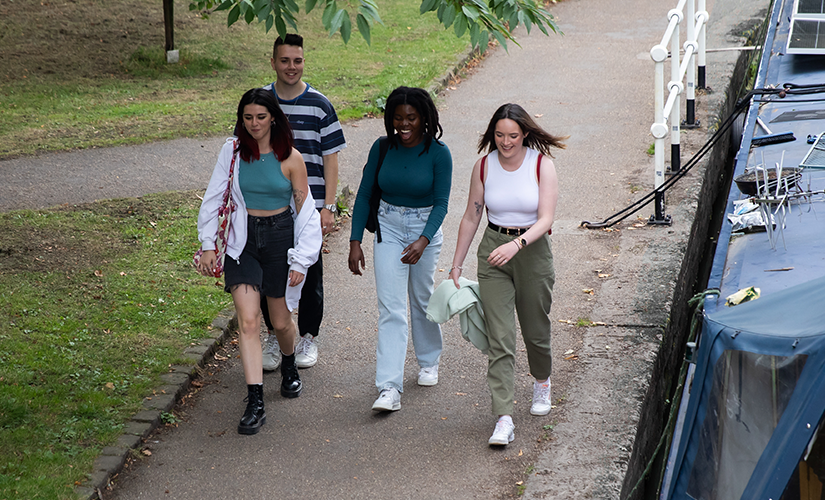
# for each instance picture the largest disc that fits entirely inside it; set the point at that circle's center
(407, 179)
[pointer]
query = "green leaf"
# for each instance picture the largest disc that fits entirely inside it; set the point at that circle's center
(427, 6)
(346, 27)
(310, 5)
(460, 25)
(233, 16)
(363, 27)
(290, 19)
(329, 11)
(470, 11)
(370, 10)
(269, 20)
(500, 39)
(336, 21)
(249, 16)
(280, 26)
(449, 15)
(227, 4)
(474, 35)
(291, 6)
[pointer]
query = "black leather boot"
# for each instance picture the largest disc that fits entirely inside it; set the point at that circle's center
(254, 416)
(291, 383)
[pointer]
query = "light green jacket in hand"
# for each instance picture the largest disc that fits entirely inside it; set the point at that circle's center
(447, 301)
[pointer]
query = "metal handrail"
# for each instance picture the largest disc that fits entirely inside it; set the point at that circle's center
(694, 48)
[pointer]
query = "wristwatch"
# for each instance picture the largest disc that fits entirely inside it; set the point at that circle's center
(332, 208)
(523, 242)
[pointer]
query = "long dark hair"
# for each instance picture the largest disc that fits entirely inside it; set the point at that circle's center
(423, 103)
(280, 135)
(534, 136)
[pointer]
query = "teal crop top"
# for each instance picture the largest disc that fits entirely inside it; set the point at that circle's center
(263, 184)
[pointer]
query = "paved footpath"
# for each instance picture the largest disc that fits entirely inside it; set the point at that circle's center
(595, 84)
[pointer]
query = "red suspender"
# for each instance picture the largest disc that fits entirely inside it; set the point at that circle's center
(483, 161)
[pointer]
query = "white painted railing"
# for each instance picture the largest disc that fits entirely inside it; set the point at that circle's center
(668, 111)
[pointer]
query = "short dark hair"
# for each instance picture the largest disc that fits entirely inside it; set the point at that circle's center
(422, 102)
(288, 39)
(534, 136)
(280, 137)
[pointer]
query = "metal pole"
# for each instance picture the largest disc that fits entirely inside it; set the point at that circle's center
(675, 112)
(659, 131)
(690, 96)
(702, 39)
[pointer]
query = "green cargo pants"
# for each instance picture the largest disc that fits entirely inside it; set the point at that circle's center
(523, 285)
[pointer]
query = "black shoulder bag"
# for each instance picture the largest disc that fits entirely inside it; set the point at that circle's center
(375, 196)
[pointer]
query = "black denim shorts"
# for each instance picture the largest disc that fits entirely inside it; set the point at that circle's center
(263, 262)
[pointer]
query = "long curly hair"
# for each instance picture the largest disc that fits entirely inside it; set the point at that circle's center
(280, 136)
(423, 103)
(534, 136)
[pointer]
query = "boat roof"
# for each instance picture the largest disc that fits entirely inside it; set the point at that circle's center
(797, 252)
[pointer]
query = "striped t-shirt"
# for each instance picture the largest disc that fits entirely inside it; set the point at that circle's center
(317, 134)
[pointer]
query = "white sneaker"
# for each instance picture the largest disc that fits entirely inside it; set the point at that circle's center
(503, 434)
(541, 398)
(306, 352)
(428, 376)
(272, 353)
(388, 400)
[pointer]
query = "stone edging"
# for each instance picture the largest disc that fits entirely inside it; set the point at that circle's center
(176, 383)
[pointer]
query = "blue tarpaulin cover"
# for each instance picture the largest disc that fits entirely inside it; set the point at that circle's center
(757, 398)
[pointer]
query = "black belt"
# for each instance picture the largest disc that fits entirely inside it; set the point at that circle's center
(511, 231)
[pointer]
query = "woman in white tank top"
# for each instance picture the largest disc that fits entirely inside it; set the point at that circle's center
(517, 183)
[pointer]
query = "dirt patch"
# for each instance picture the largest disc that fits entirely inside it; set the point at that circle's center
(76, 237)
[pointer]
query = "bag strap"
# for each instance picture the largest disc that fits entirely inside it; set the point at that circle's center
(538, 169)
(383, 146)
(483, 163)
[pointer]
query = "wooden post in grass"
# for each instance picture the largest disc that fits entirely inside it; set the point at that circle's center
(172, 55)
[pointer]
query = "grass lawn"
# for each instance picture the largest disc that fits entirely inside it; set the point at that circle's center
(99, 299)
(91, 73)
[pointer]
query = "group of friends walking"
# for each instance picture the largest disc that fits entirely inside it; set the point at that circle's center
(282, 167)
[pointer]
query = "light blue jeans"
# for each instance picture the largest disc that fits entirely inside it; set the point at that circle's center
(394, 281)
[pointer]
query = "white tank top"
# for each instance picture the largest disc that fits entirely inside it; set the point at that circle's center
(512, 198)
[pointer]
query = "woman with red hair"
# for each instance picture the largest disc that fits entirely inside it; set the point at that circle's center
(274, 236)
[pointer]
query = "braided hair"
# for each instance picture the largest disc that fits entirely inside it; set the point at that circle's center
(422, 102)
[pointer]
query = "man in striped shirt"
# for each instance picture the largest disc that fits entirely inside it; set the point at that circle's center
(318, 136)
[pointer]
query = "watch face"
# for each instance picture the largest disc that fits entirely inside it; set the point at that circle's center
(523, 242)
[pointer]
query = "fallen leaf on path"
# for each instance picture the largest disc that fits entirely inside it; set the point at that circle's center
(520, 453)
(461, 394)
(572, 358)
(220, 358)
(588, 291)
(568, 352)
(147, 453)
(338, 396)
(604, 275)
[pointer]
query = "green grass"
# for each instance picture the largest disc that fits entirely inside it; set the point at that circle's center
(98, 301)
(94, 74)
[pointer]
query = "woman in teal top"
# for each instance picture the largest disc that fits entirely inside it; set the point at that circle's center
(414, 179)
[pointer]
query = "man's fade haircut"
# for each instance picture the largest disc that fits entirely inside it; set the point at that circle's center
(288, 39)
(422, 102)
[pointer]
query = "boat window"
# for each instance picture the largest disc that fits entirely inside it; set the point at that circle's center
(749, 393)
